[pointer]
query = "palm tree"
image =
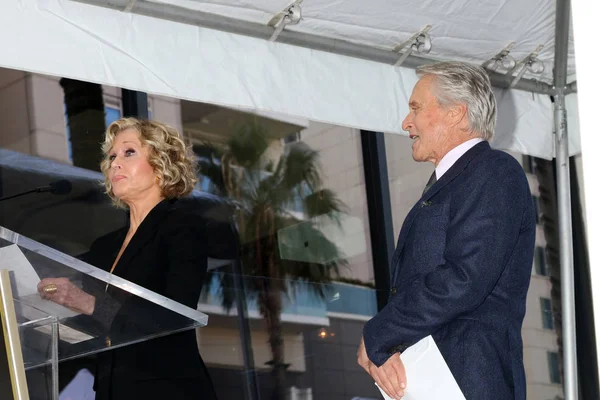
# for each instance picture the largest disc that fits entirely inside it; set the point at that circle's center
(265, 190)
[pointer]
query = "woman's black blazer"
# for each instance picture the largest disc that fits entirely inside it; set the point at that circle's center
(167, 255)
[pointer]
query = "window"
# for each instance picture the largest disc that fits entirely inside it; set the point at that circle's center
(111, 114)
(205, 184)
(276, 186)
(294, 137)
(546, 306)
(553, 367)
(539, 259)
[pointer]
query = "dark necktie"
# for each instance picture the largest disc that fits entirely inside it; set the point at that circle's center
(430, 182)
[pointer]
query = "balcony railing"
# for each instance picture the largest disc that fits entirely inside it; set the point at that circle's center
(302, 304)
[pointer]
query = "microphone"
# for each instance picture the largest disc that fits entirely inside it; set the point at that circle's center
(59, 187)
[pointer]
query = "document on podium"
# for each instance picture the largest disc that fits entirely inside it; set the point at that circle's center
(25, 280)
(427, 374)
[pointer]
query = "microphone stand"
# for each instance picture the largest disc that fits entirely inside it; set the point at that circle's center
(19, 194)
(40, 189)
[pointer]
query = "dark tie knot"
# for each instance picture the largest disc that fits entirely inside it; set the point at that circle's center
(430, 182)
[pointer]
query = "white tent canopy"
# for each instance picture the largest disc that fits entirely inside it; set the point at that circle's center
(137, 45)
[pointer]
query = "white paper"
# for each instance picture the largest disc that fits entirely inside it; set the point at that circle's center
(425, 365)
(25, 280)
(66, 333)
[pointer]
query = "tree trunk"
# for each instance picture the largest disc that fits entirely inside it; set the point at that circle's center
(271, 309)
(85, 116)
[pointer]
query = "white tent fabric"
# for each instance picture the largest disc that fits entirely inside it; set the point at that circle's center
(188, 62)
(466, 30)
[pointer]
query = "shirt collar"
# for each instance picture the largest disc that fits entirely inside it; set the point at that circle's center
(453, 155)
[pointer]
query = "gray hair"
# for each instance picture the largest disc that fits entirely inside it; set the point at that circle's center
(462, 83)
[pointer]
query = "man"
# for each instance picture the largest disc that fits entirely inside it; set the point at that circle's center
(462, 264)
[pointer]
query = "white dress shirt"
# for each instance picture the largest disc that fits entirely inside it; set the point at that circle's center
(453, 155)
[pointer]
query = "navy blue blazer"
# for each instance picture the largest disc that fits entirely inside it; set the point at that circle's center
(462, 268)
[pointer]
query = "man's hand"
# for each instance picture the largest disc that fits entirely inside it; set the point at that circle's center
(390, 377)
(362, 358)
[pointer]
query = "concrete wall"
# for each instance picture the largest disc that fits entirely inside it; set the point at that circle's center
(14, 111)
(221, 347)
(341, 158)
(32, 120)
(331, 366)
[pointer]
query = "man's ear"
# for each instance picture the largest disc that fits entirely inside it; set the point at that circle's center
(456, 114)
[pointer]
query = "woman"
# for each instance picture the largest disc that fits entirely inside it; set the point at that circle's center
(147, 168)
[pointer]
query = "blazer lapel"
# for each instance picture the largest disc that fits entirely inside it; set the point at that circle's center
(145, 232)
(402, 238)
(454, 171)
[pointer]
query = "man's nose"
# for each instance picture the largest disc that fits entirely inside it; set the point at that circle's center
(407, 123)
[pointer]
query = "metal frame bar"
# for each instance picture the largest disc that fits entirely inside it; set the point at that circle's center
(250, 379)
(563, 17)
(336, 46)
(12, 341)
(54, 361)
(379, 210)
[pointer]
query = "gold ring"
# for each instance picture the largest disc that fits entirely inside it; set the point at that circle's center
(51, 288)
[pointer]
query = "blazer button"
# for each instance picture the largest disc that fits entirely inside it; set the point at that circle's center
(393, 290)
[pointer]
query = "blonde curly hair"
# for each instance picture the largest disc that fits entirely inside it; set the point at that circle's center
(173, 162)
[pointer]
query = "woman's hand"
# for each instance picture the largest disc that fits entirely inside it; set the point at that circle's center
(66, 294)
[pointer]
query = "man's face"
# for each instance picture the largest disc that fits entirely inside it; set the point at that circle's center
(425, 123)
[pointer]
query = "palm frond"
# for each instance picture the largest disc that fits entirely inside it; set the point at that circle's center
(249, 144)
(210, 167)
(269, 191)
(219, 283)
(212, 171)
(301, 167)
(324, 202)
(315, 277)
(306, 243)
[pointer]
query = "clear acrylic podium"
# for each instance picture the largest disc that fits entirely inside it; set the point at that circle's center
(125, 313)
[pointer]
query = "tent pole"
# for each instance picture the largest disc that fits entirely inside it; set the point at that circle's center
(563, 17)
(566, 249)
